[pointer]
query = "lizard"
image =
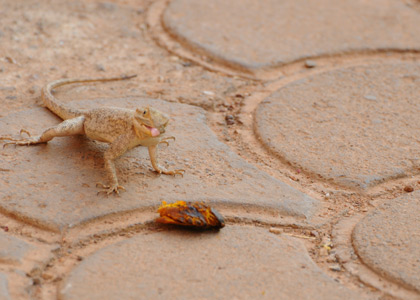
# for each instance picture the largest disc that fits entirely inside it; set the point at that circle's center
(123, 129)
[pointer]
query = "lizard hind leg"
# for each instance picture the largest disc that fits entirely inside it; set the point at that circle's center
(68, 127)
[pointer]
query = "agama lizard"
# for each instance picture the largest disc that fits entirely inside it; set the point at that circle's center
(122, 128)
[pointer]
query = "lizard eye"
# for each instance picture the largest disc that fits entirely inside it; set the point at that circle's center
(144, 112)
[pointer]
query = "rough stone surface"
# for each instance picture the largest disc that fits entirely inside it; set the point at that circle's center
(235, 263)
(373, 117)
(12, 250)
(388, 240)
(54, 184)
(256, 34)
(4, 290)
(356, 126)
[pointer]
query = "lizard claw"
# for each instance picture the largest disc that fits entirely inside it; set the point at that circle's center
(179, 171)
(108, 189)
(9, 143)
(2, 138)
(5, 144)
(13, 142)
(24, 131)
(171, 172)
(165, 140)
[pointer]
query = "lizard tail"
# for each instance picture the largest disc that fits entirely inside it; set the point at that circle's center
(62, 110)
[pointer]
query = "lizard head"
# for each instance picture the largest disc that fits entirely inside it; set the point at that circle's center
(150, 122)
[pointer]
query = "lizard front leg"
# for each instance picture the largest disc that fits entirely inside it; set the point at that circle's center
(158, 168)
(118, 147)
(66, 128)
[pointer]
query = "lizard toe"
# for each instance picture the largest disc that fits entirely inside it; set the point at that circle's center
(25, 131)
(165, 140)
(108, 189)
(174, 172)
(9, 143)
(180, 172)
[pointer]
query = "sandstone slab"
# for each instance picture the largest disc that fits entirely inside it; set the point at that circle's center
(235, 263)
(259, 34)
(53, 185)
(356, 126)
(388, 240)
(12, 249)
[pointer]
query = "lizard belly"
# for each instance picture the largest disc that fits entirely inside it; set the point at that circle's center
(99, 136)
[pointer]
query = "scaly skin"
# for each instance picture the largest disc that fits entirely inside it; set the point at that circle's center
(122, 128)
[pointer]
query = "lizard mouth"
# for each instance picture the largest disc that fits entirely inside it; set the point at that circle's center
(153, 131)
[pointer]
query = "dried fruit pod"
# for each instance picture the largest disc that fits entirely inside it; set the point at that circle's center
(194, 214)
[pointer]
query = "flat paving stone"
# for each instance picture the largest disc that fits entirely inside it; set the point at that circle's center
(356, 126)
(53, 185)
(12, 249)
(388, 240)
(4, 287)
(235, 263)
(257, 34)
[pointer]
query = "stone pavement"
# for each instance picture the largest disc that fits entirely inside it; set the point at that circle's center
(4, 290)
(315, 170)
(263, 34)
(386, 240)
(236, 263)
(352, 123)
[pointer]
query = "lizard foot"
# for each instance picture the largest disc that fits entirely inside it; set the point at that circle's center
(162, 170)
(22, 141)
(108, 189)
(165, 140)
